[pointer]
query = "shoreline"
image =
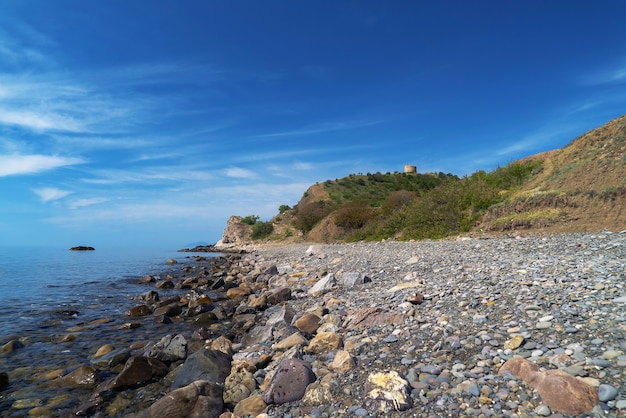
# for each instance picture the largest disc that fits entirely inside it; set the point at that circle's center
(477, 294)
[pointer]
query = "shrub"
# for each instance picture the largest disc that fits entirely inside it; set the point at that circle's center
(250, 219)
(310, 214)
(262, 230)
(353, 215)
(283, 208)
(398, 200)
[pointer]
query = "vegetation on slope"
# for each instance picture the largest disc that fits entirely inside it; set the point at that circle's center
(581, 187)
(409, 206)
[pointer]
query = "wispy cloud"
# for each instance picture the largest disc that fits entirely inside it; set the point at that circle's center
(39, 121)
(612, 75)
(241, 173)
(29, 164)
(148, 175)
(79, 203)
(48, 194)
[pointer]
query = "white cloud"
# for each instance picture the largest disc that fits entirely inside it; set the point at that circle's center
(242, 173)
(79, 203)
(30, 164)
(39, 121)
(302, 166)
(48, 194)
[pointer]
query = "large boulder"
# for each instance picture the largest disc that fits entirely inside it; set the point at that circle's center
(137, 371)
(562, 392)
(289, 382)
(204, 364)
(199, 399)
(169, 349)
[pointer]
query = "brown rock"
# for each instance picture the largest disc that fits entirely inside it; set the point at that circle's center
(289, 382)
(105, 349)
(370, 317)
(147, 279)
(200, 399)
(164, 284)
(11, 346)
(239, 292)
(68, 338)
(324, 341)
(139, 310)
(279, 295)
(253, 405)
(342, 362)
(172, 309)
(308, 323)
(286, 343)
(83, 376)
(259, 303)
(137, 370)
(416, 298)
(222, 344)
(562, 392)
(513, 343)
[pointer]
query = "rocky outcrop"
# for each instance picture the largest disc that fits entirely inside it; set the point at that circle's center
(236, 235)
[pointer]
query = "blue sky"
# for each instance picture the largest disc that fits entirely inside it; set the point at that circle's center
(151, 122)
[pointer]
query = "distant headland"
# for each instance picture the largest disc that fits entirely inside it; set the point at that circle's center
(82, 248)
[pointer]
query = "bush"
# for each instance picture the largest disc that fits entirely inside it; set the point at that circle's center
(262, 230)
(353, 215)
(310, 214)
(250, 219)
(283, 208)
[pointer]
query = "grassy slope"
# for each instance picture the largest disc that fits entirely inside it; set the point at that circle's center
(579, 188)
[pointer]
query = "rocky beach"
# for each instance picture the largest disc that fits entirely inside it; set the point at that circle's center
(508, 326)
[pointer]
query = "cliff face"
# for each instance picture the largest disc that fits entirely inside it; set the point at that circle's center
(236, 233)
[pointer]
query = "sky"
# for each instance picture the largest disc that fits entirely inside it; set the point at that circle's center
(149, 123)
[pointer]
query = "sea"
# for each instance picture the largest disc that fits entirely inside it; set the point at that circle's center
(39, 280)
(57, 307)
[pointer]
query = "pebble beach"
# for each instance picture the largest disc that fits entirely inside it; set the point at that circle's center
(398, 329)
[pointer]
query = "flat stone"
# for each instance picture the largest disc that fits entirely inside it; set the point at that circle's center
(293, 340)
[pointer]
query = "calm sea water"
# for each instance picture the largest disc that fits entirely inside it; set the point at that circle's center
(40, 279)
(50, 294)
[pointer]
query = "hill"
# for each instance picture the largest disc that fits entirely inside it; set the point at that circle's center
(579, 188)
